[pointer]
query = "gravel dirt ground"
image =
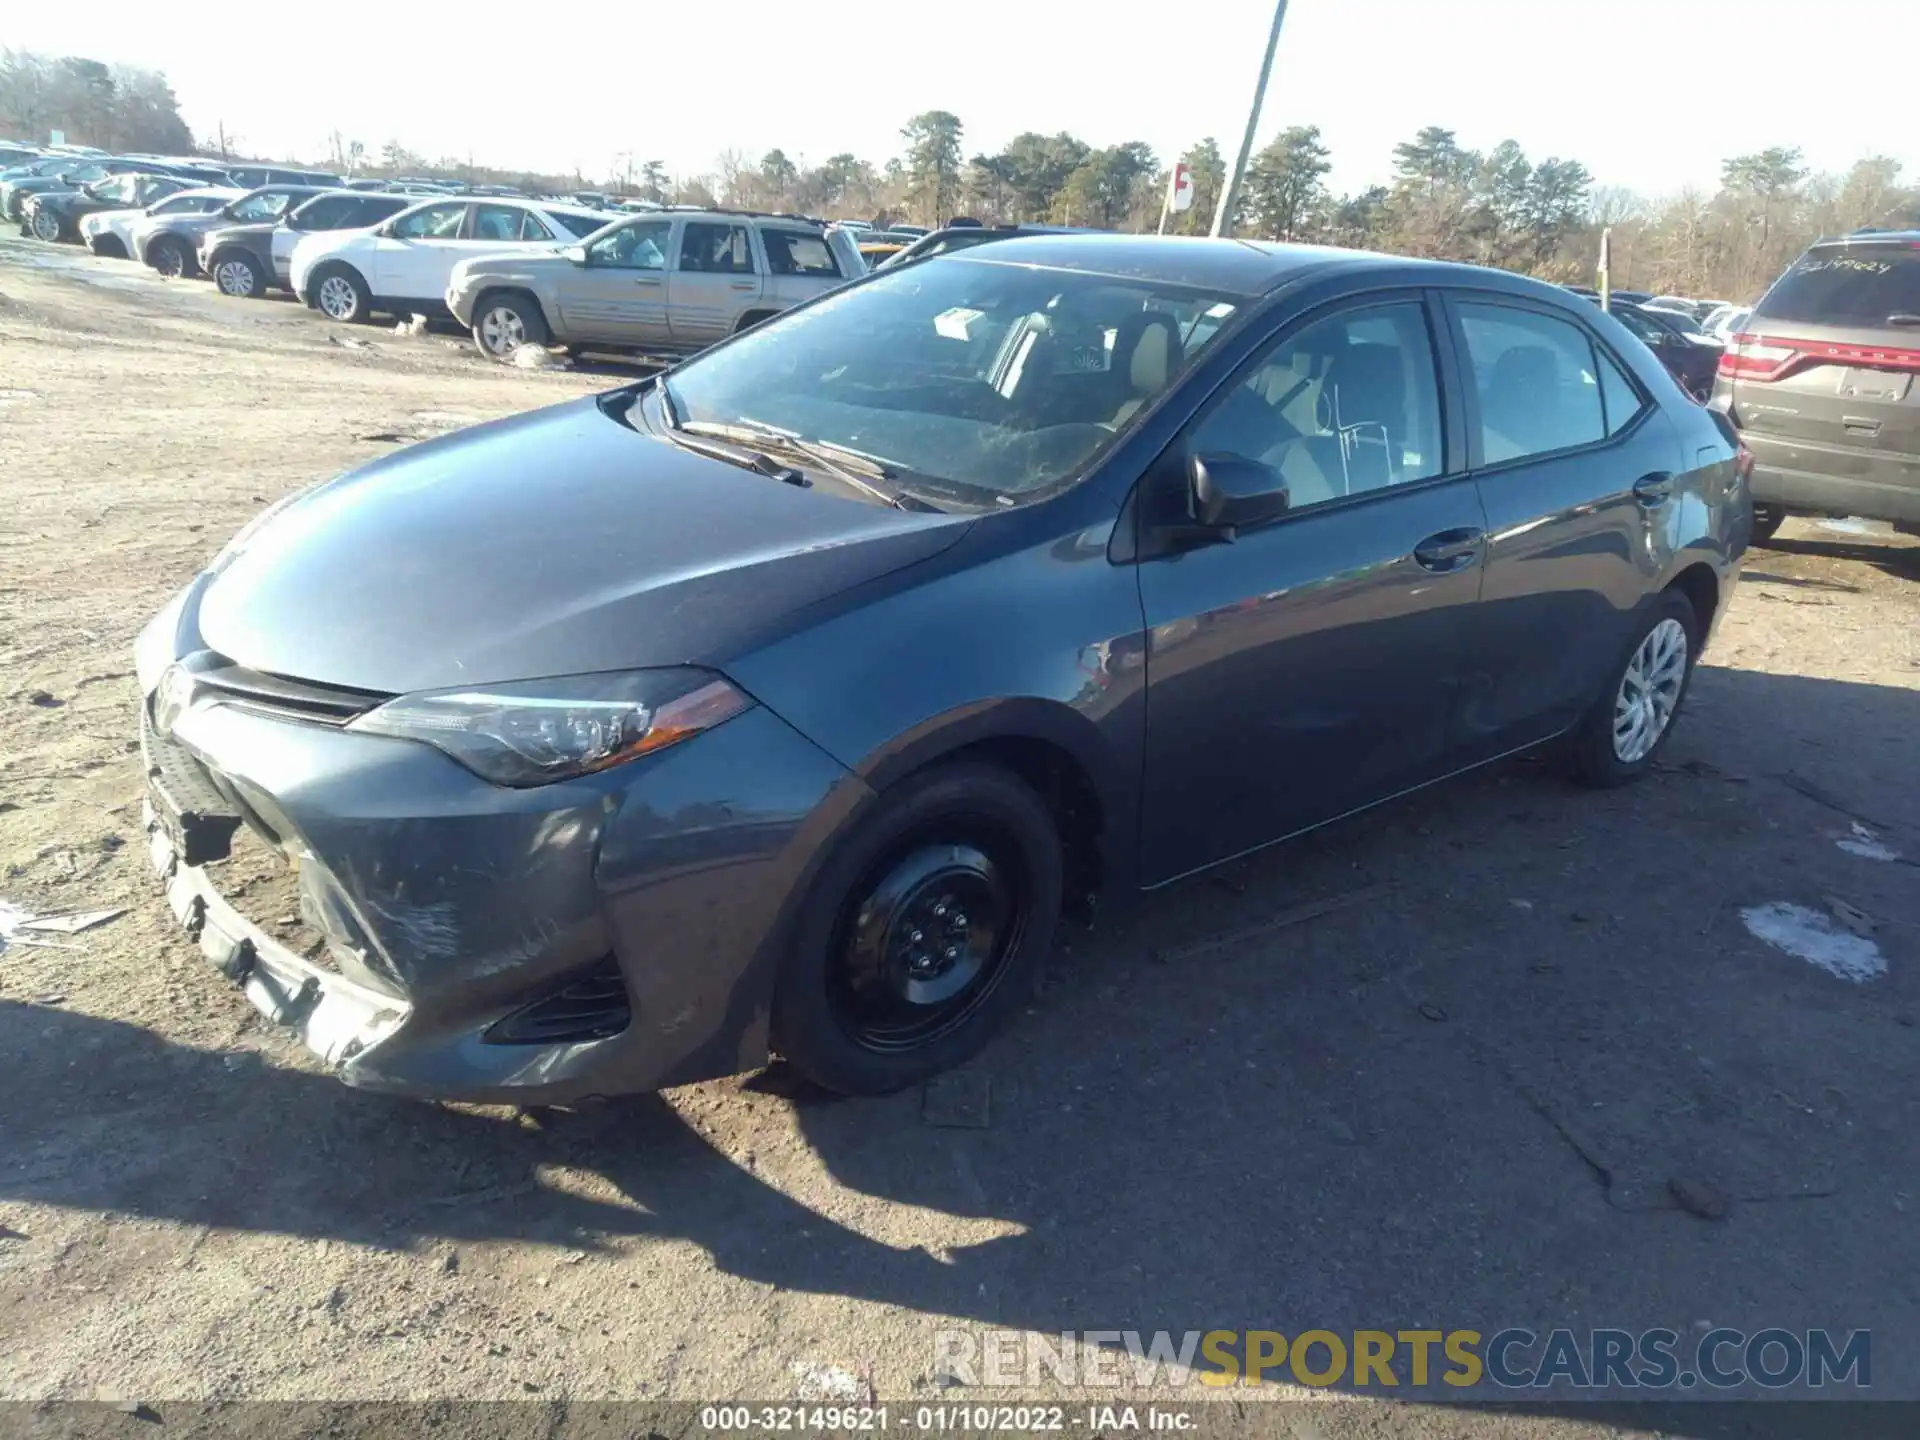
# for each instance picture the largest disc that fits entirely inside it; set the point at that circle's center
(1441, 1065)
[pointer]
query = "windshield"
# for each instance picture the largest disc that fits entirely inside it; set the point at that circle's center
(581, 225)
(1005, 379)
(1847, 285)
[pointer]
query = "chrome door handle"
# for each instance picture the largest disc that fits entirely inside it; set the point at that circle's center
(1449, 549)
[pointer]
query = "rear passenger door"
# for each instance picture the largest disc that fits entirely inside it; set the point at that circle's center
(714, 281)
(1576, 467)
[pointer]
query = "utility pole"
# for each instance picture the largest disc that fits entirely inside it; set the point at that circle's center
(1230, 192)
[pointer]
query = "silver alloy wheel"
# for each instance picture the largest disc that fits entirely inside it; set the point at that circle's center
(337, 298)
(1649, 692)
(46, 225)
(234, 277)
(502, 331)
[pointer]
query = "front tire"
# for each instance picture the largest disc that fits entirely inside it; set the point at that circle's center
(170, 257)
(340, 294)
(921, 932)
(503, 322)
(238, 274)
(45, 224)
(1630, 723)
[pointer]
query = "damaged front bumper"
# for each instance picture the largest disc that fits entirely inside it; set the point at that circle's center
(609, 935)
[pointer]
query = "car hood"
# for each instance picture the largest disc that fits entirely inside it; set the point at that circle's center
(230, 232)
(189, 225)
(557, 542)
(532, 261)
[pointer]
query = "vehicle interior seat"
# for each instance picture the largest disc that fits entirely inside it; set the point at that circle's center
(1519, 405)
(1146, 356)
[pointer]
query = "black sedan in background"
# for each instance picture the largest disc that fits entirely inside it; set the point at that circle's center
(1689, 354)
(57, 215)
(785, 701)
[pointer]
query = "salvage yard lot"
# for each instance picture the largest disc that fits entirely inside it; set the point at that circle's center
(1444, 1065)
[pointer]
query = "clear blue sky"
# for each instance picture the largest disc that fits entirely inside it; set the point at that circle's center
(1645, 92)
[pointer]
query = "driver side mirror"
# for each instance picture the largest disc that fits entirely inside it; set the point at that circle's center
(1232, 493)
(577, 254)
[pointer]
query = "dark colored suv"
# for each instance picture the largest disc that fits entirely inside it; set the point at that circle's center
(1821, 384)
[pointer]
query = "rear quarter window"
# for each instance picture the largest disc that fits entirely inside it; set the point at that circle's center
(1846, 285)
(794, 252)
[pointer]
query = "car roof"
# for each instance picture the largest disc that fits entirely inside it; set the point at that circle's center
(193, 190)
(1872, 237)
(1244, 267)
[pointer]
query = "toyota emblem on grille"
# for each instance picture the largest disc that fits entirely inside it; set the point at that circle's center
(172, 699)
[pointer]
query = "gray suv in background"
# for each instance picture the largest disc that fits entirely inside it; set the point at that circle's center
(666, 282)
(1823, 384)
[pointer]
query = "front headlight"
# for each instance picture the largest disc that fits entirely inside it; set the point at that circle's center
(534, 732)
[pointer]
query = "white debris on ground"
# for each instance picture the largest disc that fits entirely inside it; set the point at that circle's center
(1866, 844)
(826, 1382)
(410, 325)
(21, 927)
(1817, 938)
(537, 357)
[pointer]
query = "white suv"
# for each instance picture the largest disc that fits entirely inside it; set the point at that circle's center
(402, 266)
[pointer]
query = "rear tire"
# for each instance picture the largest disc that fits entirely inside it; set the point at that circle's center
(1767, 520)
(340, 294)
(1629, 724)
(889, 981)
(503, 322)
(753, 318)
(171, 258)
(239, 274)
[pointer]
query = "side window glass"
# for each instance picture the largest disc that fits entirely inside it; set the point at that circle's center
(710, 249)
(497, 222)
(789, 252)
(633, 247)
(532, 227)
(1536, 380)
(1617, 393)
(324, 214)
(435, 222)
(1349, 405)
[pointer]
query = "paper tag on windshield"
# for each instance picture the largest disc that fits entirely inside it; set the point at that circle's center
(954, 323)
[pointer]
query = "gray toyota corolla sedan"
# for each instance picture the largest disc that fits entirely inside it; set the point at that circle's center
(783, 703)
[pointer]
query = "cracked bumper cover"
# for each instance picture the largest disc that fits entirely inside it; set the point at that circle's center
(449, 904)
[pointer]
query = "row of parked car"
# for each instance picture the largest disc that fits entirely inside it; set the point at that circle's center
(514, 269)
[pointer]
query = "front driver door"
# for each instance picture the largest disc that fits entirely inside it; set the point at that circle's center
(620, 294)
(1314, 665)
(413, 259)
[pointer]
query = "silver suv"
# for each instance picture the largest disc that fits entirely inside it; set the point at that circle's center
(667, 282)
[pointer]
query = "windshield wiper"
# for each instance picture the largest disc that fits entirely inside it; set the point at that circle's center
(851, 468)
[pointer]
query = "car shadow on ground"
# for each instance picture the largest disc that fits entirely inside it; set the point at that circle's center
(1461, 1099)
(1901, 561)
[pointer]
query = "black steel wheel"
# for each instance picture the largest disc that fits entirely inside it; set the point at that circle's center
(920, 932)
